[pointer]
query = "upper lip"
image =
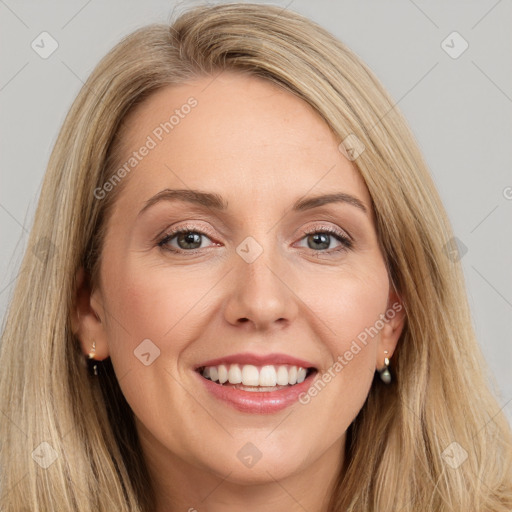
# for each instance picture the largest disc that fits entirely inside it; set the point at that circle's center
(257, 360)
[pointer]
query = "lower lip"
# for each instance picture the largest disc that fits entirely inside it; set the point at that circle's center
(258, 402)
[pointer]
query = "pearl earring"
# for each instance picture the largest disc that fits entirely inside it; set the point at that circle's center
(384, 373)
(92, 355)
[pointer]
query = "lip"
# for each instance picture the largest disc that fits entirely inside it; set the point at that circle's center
(258, 402)
(257, 360)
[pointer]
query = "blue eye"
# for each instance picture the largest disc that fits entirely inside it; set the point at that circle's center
(320, 240)
(190, 240)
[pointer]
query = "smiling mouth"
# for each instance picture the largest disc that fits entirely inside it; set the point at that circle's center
(254, 378)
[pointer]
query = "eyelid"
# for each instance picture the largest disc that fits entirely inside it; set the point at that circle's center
(321, 226)
(304, 231)
(343, 237)
(170, 231)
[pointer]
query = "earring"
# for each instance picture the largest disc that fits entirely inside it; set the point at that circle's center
(93, 366)
(384, 373)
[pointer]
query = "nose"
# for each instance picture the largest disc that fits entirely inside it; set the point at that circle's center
(261, 295)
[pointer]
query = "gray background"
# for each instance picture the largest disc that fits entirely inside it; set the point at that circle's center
(459, 110)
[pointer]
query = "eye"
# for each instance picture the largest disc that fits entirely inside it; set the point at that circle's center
(184, 240)
(321, 240)
(189, 239)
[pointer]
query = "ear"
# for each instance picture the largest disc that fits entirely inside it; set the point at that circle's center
(86, 317)
(393, 326)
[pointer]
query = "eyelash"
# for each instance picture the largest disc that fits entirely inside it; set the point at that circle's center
(346, 242)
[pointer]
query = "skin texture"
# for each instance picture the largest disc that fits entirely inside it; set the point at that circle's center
(261, 149)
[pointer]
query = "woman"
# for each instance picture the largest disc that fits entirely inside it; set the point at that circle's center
(238, 234)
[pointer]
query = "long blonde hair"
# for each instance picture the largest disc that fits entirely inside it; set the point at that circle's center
(396, 447)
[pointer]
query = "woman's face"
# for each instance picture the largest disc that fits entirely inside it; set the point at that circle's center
(278, 267)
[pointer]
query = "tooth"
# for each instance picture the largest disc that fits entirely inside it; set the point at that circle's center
(292, 375)
(223, 373)
(268, 376)
(250, 375)
(282, 376)
(234, 374)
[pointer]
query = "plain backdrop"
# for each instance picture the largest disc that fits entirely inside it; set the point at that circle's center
(458, 102)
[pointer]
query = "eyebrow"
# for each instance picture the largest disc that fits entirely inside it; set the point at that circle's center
(207, 199)
(341, 197)
(216, 202)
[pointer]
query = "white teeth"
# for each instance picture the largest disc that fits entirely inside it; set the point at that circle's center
(282, 376)
(268, 376)
(301, 375)
(223, 373)
(214, 374)
(234, 374)
(292, 375)
(250, 375)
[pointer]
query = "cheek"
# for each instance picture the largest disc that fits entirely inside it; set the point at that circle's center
(352, 306)
(349, 303)
(156, 303)
(167, 307)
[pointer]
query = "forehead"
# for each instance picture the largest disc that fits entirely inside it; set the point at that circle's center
(238, 135)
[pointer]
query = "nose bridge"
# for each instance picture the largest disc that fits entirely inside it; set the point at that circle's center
(260, 294)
